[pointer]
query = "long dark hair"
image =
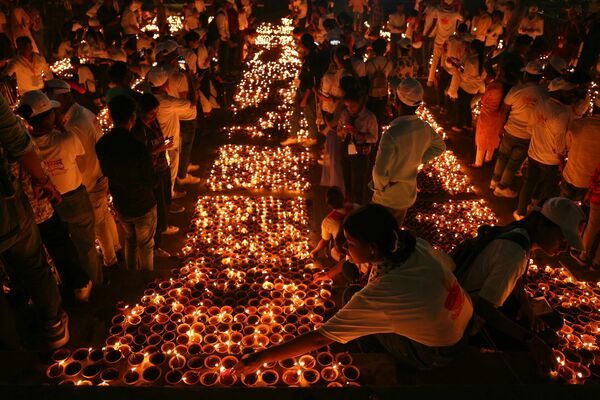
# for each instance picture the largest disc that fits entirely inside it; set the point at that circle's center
(374, 224)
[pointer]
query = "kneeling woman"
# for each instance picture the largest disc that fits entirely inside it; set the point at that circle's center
(412, 303)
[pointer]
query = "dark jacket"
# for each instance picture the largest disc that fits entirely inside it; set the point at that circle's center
(128, 166)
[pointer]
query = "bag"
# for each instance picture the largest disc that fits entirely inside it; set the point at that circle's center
(379, 83)
(465, 253)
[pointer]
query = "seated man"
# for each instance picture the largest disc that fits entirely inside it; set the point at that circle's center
(412, 303)
(498, 270)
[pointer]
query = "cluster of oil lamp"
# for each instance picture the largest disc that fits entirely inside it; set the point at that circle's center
(245, 284)
(261, 168)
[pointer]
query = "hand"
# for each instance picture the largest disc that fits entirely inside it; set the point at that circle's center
(46, 190)
(320, 277)
(526, 312)
(249, 364)
(312, 255)
(543, 356)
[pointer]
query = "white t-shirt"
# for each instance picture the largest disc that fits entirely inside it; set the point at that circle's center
(59, 152)
(522, 99)
(549, 124)
(84, 124)
(419, 299)
(446, 24)
(330, 226)
(480, 25)
(471, 81)
(496, 270)
(532, 27)
(30, 74)
(493, 34)
(584, 151)
(170, 111)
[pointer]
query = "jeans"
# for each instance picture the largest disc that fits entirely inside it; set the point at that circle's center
(407, 352)
(541, 181)
(25, 261)
(464, 116)
(571, 191)
(105, 225)
(58, 243)
(162, 193)
(76, 210)
(511, 154)
(590, 236)
(187, 135)
(139, 240)
(225, 60)
(310, 113)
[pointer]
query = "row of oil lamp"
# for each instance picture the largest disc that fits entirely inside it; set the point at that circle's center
(261, 168)
(182, 365)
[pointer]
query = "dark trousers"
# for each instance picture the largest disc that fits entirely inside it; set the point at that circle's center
(407, 352)
(187, 135)
(25, 262)
(377, 105)
(77, 211)
(571, 191)
(463, 115)
(541, 181)
(511, 154)
(443, 83)
(357, 176)
(162, 193)
(56, 239)
(225, 60)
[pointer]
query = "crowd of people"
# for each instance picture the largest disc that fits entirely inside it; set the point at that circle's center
(490, 69)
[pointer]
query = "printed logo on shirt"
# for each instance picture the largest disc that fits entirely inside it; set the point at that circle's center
(455, 300)
(55, 167)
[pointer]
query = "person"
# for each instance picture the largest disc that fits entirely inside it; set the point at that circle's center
(21, 24)
(147, 131)
(304, 99)
(59, 149)
(556, 67)
(532, 24)
(330, 226)
(20, 244)
(520, 101)
(376, 19)
(549, 123)
(583, 150)
(408, 143)
(493, 33)
(84, 124)
(397, 26)
(127, 164)
(412, 303)
(119, 84)
(590, 254)
(406, 66)
(472, 77)
(358, 10)
(108, 17)
(379, 67)
(29, 67)
(180, 85)
(358, 129)
(427, 11)
(131, 18)
(453, 52)
(480, 24)
(518, 53)
(444, 22)
(6, 46)
(497, 273)
(170, 112)
(225, 43)
(492, 115)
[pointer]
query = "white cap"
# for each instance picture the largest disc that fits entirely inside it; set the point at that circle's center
(533, 68)
(559, 64)
(568, 216)
(560, 83)
(157, 76)
(56, 86)
(410, 92)
(404, 43)
(39, 102)
(166, 47)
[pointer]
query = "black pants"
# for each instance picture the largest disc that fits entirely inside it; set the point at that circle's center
(464, 116)
(56, 239)
(377, 106)
(443, 83)
(225, 58)
(358, 174)
(162, 193)
(541, 182)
